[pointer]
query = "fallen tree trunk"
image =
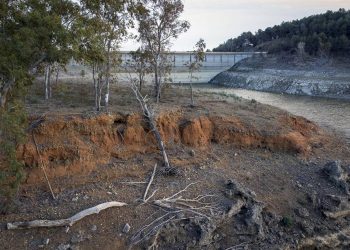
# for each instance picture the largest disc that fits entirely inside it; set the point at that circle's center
(65, 222)
(338, 214)
(338, 240)
(148, 114)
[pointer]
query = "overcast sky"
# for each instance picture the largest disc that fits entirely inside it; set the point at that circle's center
(218, 20)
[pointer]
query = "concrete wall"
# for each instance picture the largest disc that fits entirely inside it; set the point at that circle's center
(212, 59)
(214, 63)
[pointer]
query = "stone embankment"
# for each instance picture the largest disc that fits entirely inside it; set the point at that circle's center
(290, 75)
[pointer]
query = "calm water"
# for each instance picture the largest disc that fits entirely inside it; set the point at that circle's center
(327, 112)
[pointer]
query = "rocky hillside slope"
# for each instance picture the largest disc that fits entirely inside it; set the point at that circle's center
(289, 74)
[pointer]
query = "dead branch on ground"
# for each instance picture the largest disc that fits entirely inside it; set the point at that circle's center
(42, 166)
(145, 199)
(175, 208)
(338, 240)
(338, 214)
(65, 222)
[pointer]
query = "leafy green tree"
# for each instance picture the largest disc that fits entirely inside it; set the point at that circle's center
(312, 44)
(158, 23)
(323, 34)
(32, 32)
(105, 26)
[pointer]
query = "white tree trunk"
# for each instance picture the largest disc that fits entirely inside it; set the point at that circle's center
(47, 73)
(50, 83)
(108, 69)
(191, 89)
(95, 84)
(57, 74)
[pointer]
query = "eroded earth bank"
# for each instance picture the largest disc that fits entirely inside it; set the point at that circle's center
(244, 176)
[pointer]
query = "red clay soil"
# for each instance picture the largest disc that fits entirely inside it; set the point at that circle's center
(76, 144)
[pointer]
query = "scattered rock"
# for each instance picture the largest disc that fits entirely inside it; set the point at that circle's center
(64, 247)
(254, 218)
(126, 228)
(76, 239)
(337, 174)
(94, 228)
(236, 189)
(192, 153)
(302, 212)
(313, 199)
(75, 199)
(80, 237)
(46, 241)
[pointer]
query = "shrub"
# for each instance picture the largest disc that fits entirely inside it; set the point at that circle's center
(287, 221)
(12, 133)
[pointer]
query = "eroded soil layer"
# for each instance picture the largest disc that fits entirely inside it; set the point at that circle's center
(71, 145)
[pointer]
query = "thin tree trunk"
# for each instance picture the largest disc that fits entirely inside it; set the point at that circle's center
(156, 87)
(95, 84)
(4, 92)
(108, 69)
(47, 82)
(159, 89)
(140, 81)
(99, 97)
(57, 74)
(50, 83)
(192, 101)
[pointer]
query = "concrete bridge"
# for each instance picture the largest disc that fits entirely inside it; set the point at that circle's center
(214, 63)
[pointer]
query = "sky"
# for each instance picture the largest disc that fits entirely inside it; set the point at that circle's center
(219, 20)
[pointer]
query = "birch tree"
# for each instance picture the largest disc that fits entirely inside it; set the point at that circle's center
(158, 23)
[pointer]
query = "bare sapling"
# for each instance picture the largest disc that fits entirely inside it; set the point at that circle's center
(195, 64)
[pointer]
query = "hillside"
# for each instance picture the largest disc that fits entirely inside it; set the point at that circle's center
(327, 33)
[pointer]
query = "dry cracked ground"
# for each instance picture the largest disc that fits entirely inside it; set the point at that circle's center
(244, 175)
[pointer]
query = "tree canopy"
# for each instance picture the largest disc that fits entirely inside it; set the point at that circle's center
(323, 33)
(32, 32)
